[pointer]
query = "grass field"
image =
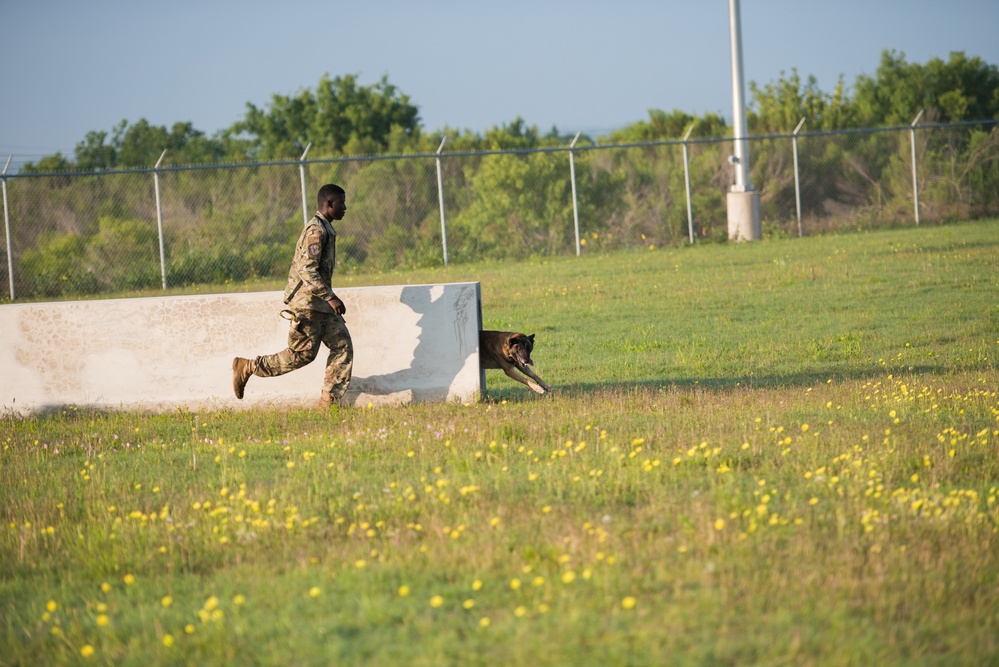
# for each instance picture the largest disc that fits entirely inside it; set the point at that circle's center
(782, 452)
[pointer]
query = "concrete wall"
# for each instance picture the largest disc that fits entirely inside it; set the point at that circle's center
(411, 343)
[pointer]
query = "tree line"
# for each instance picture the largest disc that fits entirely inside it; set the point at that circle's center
(342, 117)
(88, 226)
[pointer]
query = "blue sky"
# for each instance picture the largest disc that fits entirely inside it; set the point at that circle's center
(71, 67)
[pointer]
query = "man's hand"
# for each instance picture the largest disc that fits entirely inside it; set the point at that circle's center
(337, 305)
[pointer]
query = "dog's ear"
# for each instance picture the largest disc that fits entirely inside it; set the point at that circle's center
(531, 337)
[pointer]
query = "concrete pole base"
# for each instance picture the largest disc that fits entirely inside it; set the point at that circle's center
(744, 216)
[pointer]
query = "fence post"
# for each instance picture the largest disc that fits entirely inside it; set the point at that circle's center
(915, 181)
(440, 198)
(686, 183)
(301, 171)
(572, 178)
(6, 224)
(159, 217)
(797, 183)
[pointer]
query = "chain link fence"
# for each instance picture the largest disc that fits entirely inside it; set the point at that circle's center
(84, 234)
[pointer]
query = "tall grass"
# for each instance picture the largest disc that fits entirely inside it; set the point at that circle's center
(780, 452)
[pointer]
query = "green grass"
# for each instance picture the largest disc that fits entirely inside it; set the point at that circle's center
(773, 453)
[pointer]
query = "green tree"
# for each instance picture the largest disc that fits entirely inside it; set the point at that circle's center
(522, 205)
(56, 266)
(97, 152)
(123, 254)
(958, 89)
(663, 126)
(397, 200)
(777, 107)
(512, 136)
(141, 144)
(340, 116)
(49, 164)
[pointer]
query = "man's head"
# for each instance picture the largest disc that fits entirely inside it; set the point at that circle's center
(332, 201)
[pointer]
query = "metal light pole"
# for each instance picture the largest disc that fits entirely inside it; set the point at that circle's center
(743, 200)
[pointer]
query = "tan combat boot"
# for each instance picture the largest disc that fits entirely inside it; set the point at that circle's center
(242, 369)
(325, 401)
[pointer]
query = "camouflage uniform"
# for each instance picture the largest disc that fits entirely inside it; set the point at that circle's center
(309, 288)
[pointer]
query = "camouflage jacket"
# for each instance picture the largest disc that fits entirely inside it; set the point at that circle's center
(310, 278)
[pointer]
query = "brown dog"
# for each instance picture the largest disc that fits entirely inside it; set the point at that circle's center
(509, 350)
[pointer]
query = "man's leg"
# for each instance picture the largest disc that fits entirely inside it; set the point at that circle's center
(340, 363)
(304, 338)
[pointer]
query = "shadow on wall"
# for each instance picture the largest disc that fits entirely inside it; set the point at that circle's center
(441, 352)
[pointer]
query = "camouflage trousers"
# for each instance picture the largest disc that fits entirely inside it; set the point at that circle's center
(306, 333)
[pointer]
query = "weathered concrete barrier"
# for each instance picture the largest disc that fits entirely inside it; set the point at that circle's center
(411, 343)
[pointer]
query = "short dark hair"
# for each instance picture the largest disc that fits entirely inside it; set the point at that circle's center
(329, 191)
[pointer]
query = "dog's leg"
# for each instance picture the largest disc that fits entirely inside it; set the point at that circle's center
(527, 371)
(519, 378)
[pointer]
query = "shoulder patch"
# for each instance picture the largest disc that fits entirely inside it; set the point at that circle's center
(314, 249)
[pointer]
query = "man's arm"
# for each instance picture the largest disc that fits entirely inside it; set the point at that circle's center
(337, 305)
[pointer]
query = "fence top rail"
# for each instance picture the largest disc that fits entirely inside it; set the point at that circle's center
(788, 135)
(872, 130)
(279, 163)
(503, 151)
